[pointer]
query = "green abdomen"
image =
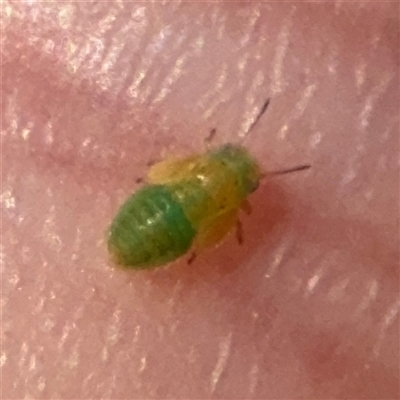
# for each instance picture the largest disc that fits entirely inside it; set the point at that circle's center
(150, 229)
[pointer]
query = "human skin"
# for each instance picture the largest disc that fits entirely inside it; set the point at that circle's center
(307, 306)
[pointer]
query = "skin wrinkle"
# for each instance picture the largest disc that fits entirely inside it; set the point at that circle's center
(223, 356)
(298, 110)
(376, 93)
(280, 51)
(387, 321)
(340, 342)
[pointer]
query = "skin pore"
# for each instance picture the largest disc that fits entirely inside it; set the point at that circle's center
(307, 306)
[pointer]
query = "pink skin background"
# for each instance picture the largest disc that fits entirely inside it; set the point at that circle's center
(308, 306)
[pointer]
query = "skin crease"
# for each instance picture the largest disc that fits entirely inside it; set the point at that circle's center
(307, 307)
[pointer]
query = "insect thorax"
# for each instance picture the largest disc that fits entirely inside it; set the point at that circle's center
(244, 166)
(216, 183)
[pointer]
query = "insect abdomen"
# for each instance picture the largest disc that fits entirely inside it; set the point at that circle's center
(150, 229)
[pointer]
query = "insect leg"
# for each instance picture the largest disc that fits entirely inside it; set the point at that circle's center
(159, 158)
(239, 231)
(246, 207)
(209, 139)
(191, 258)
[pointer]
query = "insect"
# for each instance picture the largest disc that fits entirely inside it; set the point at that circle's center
(188, 204)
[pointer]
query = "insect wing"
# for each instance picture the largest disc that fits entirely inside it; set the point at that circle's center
(172, 170)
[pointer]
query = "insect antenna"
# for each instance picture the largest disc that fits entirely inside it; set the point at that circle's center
(286, 171)
(258, 117)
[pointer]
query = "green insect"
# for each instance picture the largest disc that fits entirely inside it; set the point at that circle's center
(188, 204)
